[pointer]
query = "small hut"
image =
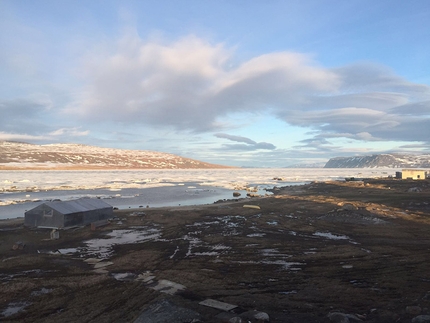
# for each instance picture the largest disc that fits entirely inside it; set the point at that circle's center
(63, 214)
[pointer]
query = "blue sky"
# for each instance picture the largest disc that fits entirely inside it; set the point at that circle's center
(244, 83)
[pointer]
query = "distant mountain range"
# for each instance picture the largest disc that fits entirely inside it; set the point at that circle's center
(17, 155)
(307, 165)
(382, 160)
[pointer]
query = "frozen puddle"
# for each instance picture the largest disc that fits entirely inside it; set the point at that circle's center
(331, 236)
(197, 247)
(14, 308)
(229, 224)
(168, 287)
(274, 253)
(292, 266)
(124, 276)
(103, 248)
(41, 291)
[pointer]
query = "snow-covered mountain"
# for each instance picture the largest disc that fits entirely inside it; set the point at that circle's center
(17, 155)
(382, 160)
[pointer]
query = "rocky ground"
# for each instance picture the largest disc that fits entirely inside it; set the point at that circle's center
(323, 252)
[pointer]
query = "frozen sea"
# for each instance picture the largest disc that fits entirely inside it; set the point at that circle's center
(24, 190)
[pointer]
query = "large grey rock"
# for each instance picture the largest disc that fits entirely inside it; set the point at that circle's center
(165, 311)
(255, 316)
(421, 319)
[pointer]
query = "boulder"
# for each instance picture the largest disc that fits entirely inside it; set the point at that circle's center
(421, 319)
(166, 311)
(414, 190)
(255, 316)
(348, 207)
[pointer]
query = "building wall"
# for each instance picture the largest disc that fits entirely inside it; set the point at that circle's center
(43, 216)
(414, 174)
(87, 217)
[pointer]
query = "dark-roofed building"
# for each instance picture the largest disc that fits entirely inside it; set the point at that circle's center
(63, 214)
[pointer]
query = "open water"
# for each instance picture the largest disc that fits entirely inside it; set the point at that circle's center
(24, 190)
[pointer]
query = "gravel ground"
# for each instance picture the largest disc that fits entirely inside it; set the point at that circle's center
(322, 252)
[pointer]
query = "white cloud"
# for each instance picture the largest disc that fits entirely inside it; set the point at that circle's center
(4, 136)
(189, 84)
(249, 143)
(193, 85)
(69, 132)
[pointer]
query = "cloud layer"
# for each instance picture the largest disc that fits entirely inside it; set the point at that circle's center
(193, 85)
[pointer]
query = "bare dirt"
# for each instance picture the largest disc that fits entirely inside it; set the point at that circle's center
(357, 248)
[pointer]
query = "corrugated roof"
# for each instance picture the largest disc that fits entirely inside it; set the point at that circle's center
(81, 205)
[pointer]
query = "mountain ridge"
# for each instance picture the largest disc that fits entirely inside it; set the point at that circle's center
(22, 156)
(381, 160)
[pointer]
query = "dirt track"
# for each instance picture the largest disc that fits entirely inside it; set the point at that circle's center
(350, 247)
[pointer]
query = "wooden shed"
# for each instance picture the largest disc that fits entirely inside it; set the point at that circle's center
(63, 214)
(414, 174)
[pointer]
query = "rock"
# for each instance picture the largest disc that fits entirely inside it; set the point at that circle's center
(413, 310)
(227, 317)
(348, 207)
(166, 311)
(235, 320)
(414, 190)
(427, 296)
(338, 317)
(236, 194)
(421, 319)
(255, 316)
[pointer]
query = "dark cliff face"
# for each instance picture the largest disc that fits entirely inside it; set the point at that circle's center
(383, 160)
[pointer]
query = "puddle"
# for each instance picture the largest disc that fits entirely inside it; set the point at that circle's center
(203, 248)
(124, 276)
(14, 308)
(103, 248)
(330, 236)
(274, 253)
(32, 272)
(174, 253)
(229, 224)
(41, 291)
(285, 264)
(254, 235)
(168, 287)
(272, 223)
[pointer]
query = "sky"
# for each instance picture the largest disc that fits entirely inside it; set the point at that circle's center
(242, 83)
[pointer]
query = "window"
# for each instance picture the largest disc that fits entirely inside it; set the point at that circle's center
(48, 213)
